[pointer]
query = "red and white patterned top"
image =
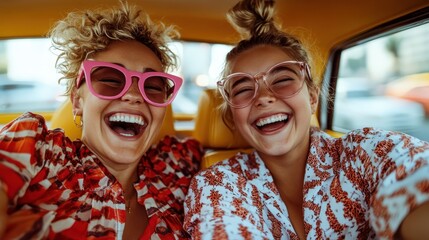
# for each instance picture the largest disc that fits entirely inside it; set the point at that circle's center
(359, 186)
(58, 189)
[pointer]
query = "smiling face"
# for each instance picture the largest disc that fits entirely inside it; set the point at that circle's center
(275, 127)
(120, 131)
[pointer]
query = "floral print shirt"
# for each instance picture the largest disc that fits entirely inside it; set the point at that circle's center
(59, 189)
(359, 186)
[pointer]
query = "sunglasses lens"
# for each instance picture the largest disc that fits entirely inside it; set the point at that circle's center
(159, 89)
(239, 89)
(107, 81)
(286, 79)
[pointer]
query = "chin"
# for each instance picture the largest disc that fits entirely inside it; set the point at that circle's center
(275, 149)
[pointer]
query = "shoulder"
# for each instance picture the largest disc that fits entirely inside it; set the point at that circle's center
(360, 136)
(186, 145)
(27, 121)
(184, 154)
(229, 169)
(366, 140)
(29, 148)
(28, 126)
(29, 133)
(237, 163)
(373, 136)
(383, 143)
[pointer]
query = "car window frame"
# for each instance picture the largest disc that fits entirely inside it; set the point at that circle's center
(330, 76)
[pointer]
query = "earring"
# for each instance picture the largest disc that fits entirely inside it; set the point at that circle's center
(80, 124)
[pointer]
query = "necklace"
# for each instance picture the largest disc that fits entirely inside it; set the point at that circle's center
(128, 206)
(128, 201)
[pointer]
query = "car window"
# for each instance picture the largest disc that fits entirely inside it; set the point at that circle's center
(200, 66)
(384, 83)
(29, 81)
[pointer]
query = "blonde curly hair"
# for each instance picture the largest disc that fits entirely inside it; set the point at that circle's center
(254, 20)
(83, 33)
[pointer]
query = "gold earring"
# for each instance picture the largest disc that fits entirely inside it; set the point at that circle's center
(80, 124)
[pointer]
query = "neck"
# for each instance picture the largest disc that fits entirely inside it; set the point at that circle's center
(127, 183)
(289, 178)
(127, 178)
(288, 170)
(125, 174)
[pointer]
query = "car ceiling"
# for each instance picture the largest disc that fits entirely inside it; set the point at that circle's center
(322, 23)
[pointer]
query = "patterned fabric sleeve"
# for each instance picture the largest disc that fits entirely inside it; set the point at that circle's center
(18, 156)
(397, 169)
(218, 201)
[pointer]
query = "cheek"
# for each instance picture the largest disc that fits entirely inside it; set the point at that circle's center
(304, 100)
(158, 114)
(86, 98)
(93, 104)
(240, 117)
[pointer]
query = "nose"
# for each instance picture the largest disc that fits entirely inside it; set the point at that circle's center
(133, 94)
(264, 96)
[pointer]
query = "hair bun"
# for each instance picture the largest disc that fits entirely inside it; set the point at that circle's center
(253, 17)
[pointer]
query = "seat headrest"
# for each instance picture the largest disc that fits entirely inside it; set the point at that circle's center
(63, 118)
(210, 129)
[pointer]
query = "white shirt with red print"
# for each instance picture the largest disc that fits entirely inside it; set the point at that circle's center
(359, 186)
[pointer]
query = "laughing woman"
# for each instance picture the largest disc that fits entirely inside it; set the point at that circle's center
(111, 184)
(301, 183)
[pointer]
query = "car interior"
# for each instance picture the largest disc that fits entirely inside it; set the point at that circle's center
(341, 35)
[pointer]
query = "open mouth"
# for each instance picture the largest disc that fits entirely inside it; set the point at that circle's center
(127, 125)
(272, 122)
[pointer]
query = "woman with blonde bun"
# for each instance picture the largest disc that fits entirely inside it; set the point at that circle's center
(299, 182)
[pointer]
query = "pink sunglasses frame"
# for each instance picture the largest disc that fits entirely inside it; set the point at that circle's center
(88, 65)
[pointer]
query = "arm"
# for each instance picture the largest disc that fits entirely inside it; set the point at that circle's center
(17, 148)
(397, 167)
(414, 225)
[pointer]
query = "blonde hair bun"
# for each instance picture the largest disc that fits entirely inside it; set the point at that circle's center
(252, 18)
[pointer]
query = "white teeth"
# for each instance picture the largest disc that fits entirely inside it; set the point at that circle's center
(128, 118)
(127, 135)
(271, 119)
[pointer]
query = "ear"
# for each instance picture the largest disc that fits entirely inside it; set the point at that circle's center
(314, 99)
(76, 103)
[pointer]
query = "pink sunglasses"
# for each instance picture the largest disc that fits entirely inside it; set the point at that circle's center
(110, 81)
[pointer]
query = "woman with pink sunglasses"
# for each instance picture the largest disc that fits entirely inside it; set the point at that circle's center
(300, 182)
(111, 184)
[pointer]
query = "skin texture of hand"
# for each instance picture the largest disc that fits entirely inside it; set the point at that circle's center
(414, 225)
(3, 211)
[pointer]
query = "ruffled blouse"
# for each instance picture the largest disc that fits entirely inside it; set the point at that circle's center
(359, 186)
(59, 189)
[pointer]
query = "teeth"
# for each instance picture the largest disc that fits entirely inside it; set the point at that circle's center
(127, 118)
(271, 119)
(127, 135)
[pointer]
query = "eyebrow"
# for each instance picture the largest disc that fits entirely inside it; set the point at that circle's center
(240, 80)
(282, 67)
(144, 69)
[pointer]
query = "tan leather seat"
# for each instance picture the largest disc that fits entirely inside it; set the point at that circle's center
(219, 141)
(63, 118)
